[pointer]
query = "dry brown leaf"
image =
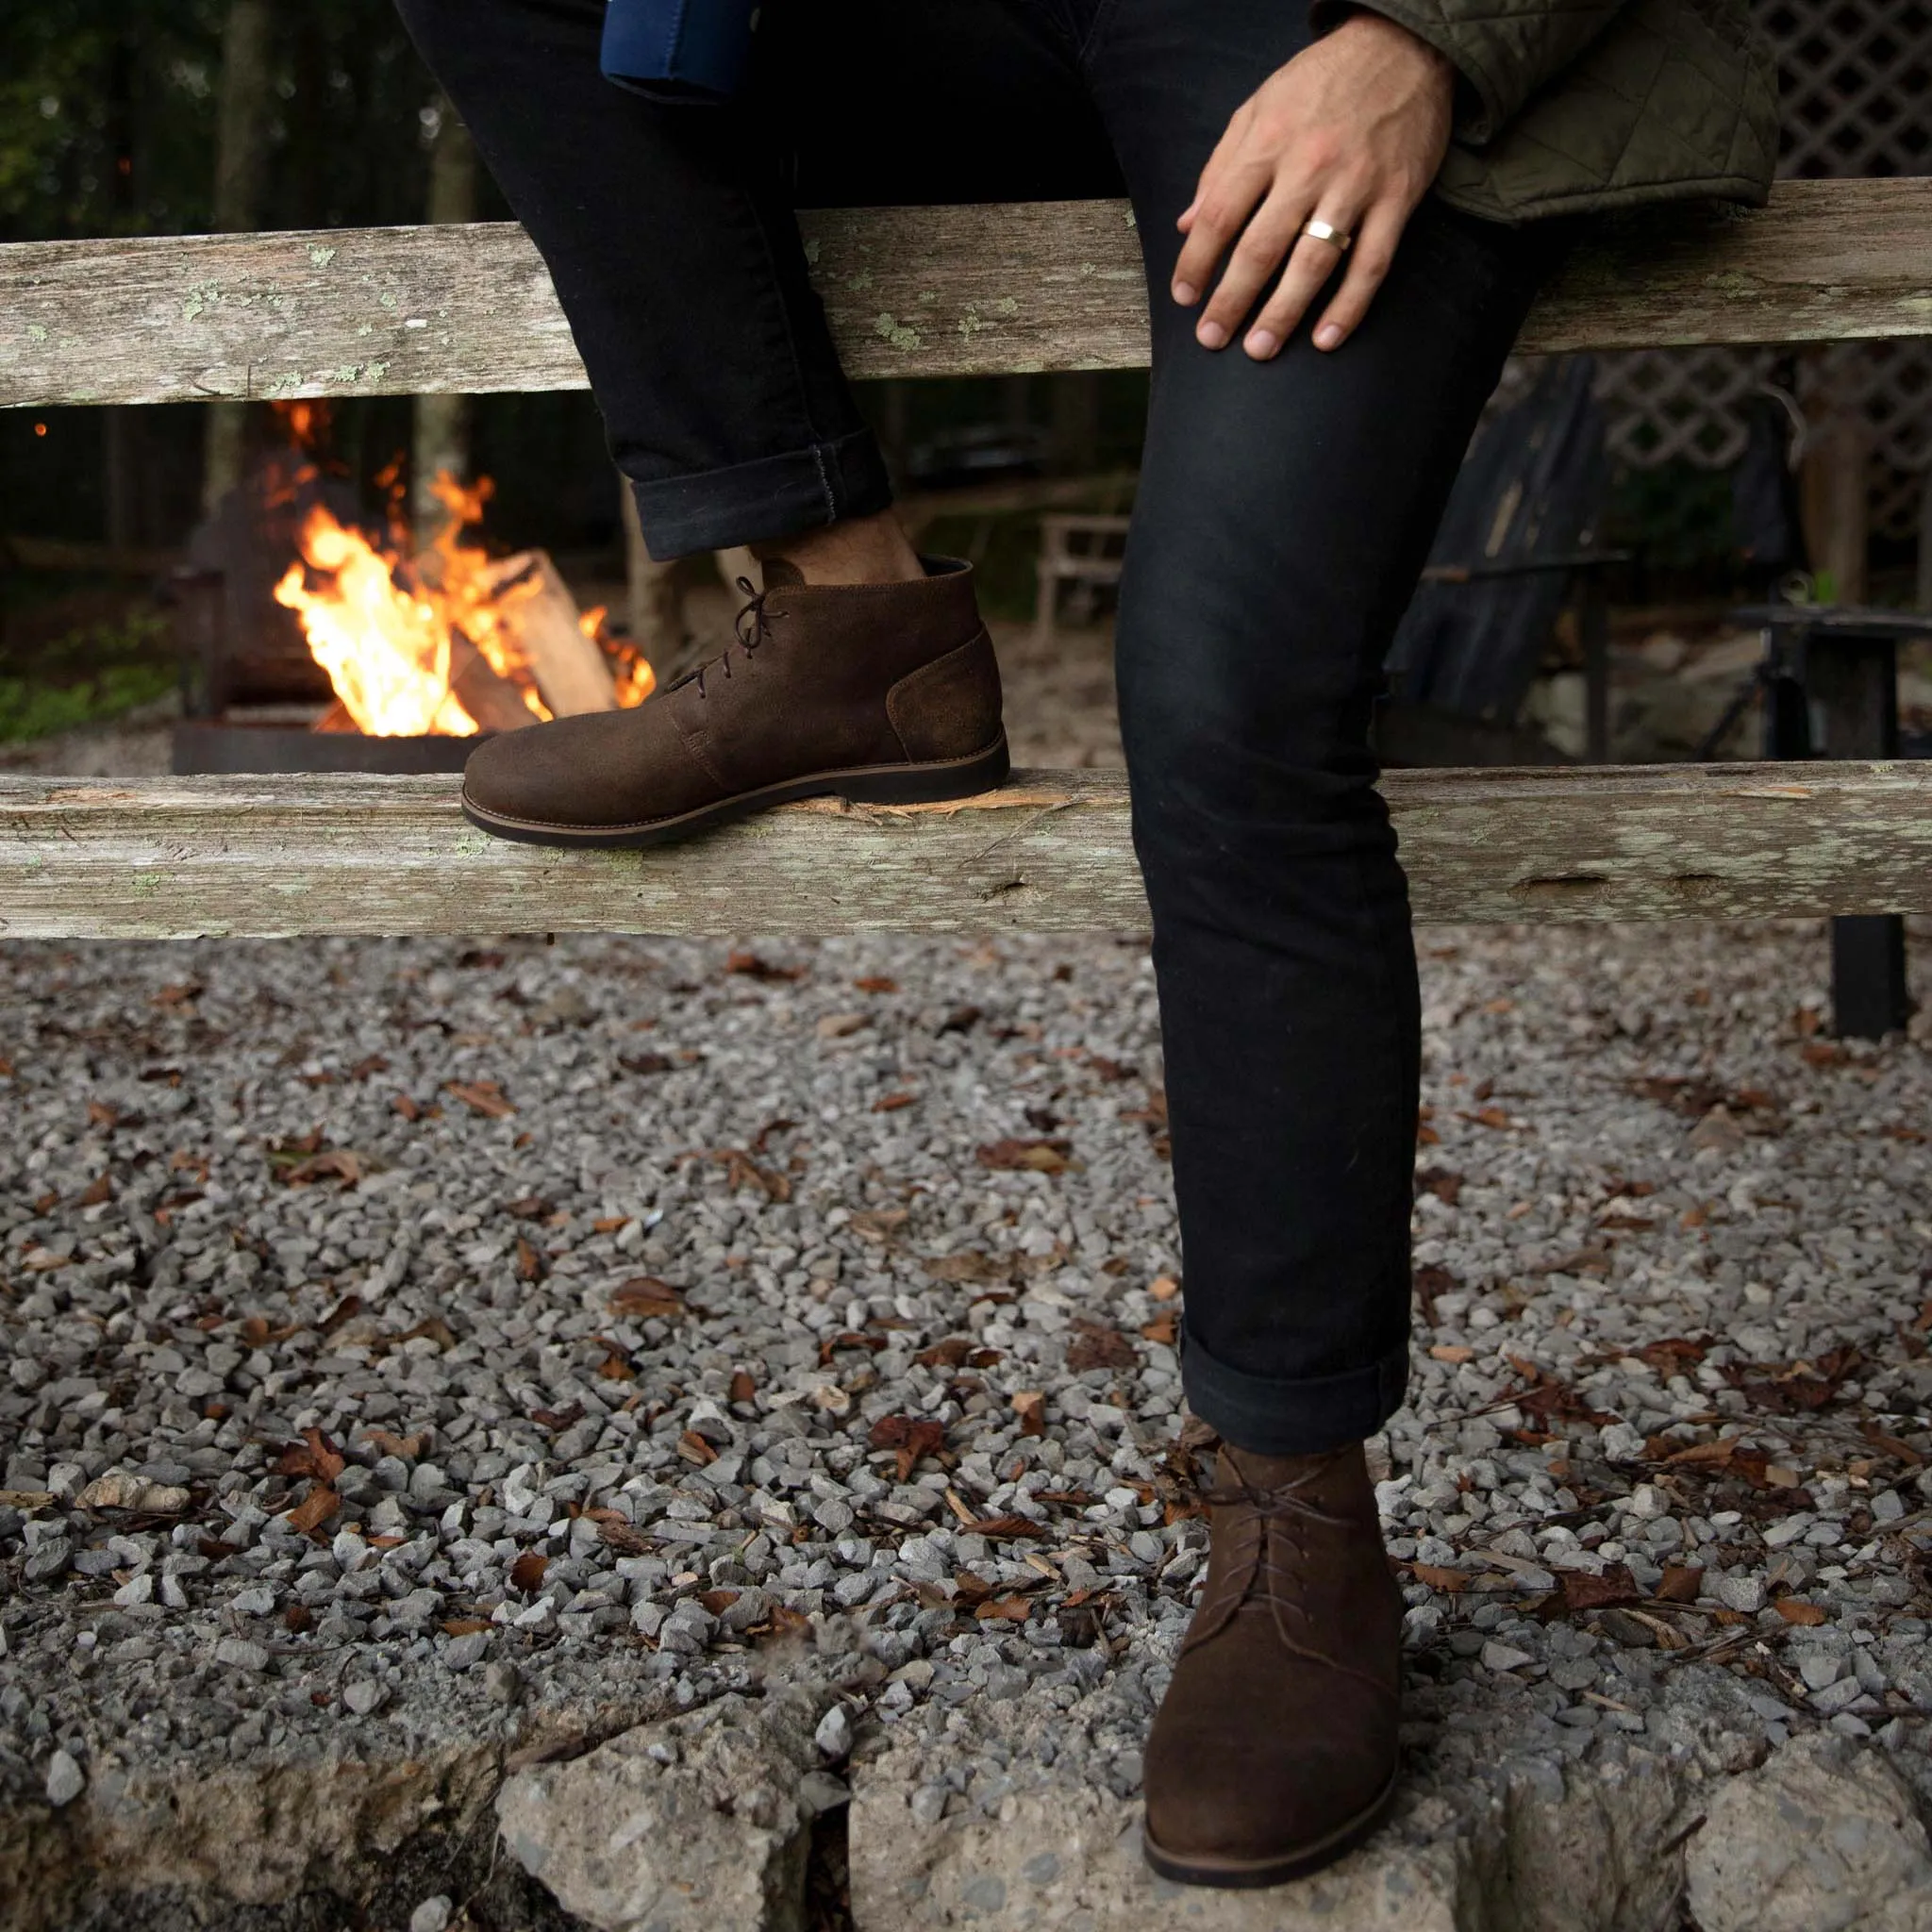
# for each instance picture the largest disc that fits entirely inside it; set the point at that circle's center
(530, 1265)
(694, 1449)
(466, 1626)
(407, 1447)
(643, 1297)
(1437, 1577)
(842, 1025)
(1029, 1404)
(876, 983)
(1794, 1609)
(314, 1509)
(751, 967)
(314, 1455)
(1164, 1329)
(892, 1103)
(1005, 1528)
(1096, 1346)
(742, 1387)
(911, 1437)
(1011, 1609)
(526, 1572)
(1615, 1589)
(98, 1191)
(480, 1096)
(1163, 1288)
(1048, 1156)
(1682, 1583)
(1452, 1352)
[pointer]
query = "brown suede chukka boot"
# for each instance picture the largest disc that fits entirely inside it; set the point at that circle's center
(882, 693)
(1274, 1749)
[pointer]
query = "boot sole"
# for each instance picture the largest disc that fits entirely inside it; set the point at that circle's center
(1244, 1874)
(933, 783)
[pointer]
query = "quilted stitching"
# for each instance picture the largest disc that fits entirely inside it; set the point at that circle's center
(1588, 104)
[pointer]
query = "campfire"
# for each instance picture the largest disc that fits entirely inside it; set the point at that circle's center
(450, 641)
(313, 640)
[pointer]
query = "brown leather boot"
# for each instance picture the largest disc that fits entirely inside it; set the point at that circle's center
(882, 693)
(1274, 1749)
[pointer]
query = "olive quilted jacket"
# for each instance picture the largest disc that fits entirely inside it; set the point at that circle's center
(1569, 106)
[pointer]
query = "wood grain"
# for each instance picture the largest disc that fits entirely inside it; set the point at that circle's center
(910, 292)
(172, 858)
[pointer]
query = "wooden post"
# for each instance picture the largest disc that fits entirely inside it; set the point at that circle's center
(240, 157)
(1834, 490)
(443, 420)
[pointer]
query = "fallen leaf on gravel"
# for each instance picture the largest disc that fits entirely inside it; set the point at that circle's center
(643, 1297)
(1096, 1346)
(1437, 1577)
(526, 1572)
(644, 1064)
(1495, 1117)
(911, 1437)
(1681, 1583)
(430, 1329)
(948, 1353)
(621, 1537)
(1005, 1528)
(556, 1420)
(409, 1109)
(1011, 1609)
(314, 1509)
(971, 1266)
(717, 1601)
(842, 1025)
(1163, 1288)
(480, 1096)
(961, 1020)
(466, 1626)
(314, 1455)
(742, 1387)
(751, 967)
(1614, 1589)
(338, 1164)
(1674, 1354)
(741, 1171)
(529, 1207)
(891, 1102)
(876, 983)
(1051, 1155)
(531, 1266)
(1794, 1609)
(1030, 1407)
(99, 1191)
(1452, 1352)
(1164, 1329)
(184, 995)
(1432, 1279)
(407, 1447)
(879, 1224)
(27, 1501)
(694, 1449)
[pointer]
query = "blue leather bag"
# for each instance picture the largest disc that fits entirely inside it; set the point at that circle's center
(687, 50)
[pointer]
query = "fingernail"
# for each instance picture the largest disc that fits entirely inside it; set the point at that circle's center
(1210, 335)
(1262, 344)
(1328, 335)
(1186, 294)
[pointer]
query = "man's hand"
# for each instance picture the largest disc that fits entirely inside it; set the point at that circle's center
(1350, 132)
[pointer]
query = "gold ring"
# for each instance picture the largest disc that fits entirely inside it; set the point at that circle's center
(1322, 231)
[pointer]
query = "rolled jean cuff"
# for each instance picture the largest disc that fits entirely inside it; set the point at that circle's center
(763, 502)
(1287, 1415)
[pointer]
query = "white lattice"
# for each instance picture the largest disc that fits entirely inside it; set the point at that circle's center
(1855, 91)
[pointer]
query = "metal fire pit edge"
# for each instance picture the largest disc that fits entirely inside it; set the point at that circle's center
(209, 748)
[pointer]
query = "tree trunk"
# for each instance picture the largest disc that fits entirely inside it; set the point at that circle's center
(240, 154)
(443, 422)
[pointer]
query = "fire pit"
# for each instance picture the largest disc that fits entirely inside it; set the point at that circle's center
(425, 652)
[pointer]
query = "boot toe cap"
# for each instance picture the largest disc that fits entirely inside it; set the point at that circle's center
(597, 770)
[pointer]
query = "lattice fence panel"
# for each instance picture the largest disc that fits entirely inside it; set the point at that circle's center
(1856, 87)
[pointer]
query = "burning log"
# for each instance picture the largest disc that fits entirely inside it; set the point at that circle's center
(493, 701)
(539, 621)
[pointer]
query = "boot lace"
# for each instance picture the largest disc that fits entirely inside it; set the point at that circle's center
(1284, 1514)
(752, 626)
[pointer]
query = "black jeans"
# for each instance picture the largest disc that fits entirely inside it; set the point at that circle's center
(1284, 512)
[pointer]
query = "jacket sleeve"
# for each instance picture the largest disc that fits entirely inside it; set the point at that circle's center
(1503, 50)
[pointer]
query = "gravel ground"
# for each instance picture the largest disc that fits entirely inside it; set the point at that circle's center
(599, 1320)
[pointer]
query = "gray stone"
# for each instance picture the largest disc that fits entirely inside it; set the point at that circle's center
(432, 1915)
(1824, 1838)
(65, 1779)
(239, 1654)
(683, 1826)
(833, 1736)
(364, 1696)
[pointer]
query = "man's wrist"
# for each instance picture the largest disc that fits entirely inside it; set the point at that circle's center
(1365, 22)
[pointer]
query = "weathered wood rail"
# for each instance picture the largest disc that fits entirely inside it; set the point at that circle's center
(911, 292)
(177, 858)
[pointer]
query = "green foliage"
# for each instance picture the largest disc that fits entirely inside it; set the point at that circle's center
(93, 674)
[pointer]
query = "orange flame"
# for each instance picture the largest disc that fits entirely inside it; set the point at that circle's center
(393, 638)
(386, 652)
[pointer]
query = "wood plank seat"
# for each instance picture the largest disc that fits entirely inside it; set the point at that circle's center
(911, 292)
(177, 859)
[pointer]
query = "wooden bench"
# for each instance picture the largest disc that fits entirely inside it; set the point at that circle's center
(911, 292)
